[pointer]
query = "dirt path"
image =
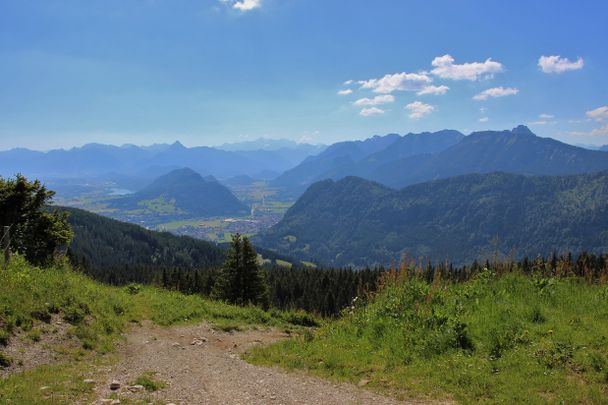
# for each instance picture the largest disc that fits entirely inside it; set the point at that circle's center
(201, 365)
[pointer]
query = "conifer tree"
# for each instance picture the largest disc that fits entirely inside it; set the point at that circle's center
(241, 281)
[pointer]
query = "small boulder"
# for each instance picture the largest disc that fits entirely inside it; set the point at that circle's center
(114, 385)
(89, 381)
(363, 383)
(136, 388)
(115, 402)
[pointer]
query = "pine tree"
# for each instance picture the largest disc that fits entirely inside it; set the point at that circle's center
(241, 281)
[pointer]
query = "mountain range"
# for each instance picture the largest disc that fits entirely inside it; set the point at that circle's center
(97, 160)
(272, 145)
(398, 161)
(183, 192)
(359, 222)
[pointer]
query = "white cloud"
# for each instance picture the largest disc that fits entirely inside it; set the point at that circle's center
(599, 114)
(484, 119)
(348, 82)
(436, 90)
(419, 109)
(398, 81)
(546, 116)
(387, 98)
(495, 92)
(539, 122)
(243, 5)
(601, 131)
(368, 112)
(483, 110)
(345, 92)
(557, 64)
(447, 69)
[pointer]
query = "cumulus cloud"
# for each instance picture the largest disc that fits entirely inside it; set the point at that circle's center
(345, 92)
(599, 114)
(557, 64)
(437, 90)
(348, 82)
(546, 116)
(419, 109)
(484, 119)
(368, 112)
(376, 100)
(447, 69)
(495, 92)
(243, 5)
(398, 81)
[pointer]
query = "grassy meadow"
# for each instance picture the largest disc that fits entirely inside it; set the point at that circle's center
(512, 338)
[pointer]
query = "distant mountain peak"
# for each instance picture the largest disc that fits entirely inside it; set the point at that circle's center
(177, 145)
(522, 130)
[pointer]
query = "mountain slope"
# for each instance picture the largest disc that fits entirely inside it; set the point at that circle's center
(119, 252)
(183, 191)
(518, 151)
(354, 221)
(363, 158)
(339, 154)
(405, 147)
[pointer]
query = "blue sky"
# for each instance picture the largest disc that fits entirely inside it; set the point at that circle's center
(213, 71)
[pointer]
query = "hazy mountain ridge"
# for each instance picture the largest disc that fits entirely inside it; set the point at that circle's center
(517, 151)
(360, 222)
(95, 160)
(339, 154)
(414, 158)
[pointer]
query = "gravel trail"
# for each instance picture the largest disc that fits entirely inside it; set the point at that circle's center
(201, 365)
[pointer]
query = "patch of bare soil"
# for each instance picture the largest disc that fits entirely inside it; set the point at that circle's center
(201, 365)
(45, 343)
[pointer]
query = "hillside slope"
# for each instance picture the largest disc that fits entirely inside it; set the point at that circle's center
(358, 222)
(183, 191)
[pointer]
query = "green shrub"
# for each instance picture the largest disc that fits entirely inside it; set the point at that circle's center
(148, 381)
(133, 288)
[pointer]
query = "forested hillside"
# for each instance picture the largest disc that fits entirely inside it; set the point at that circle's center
(118, 252)
(358, 222)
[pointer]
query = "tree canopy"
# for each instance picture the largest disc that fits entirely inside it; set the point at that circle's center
(36, 231)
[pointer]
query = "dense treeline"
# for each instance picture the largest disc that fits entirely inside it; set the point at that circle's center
(324, 291)
(327, 291)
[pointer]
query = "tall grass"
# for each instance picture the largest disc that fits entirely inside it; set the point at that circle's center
(509, 337)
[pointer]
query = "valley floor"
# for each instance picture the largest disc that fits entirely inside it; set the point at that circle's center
(201, 365)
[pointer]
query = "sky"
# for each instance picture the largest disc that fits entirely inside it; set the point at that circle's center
(207, 72)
